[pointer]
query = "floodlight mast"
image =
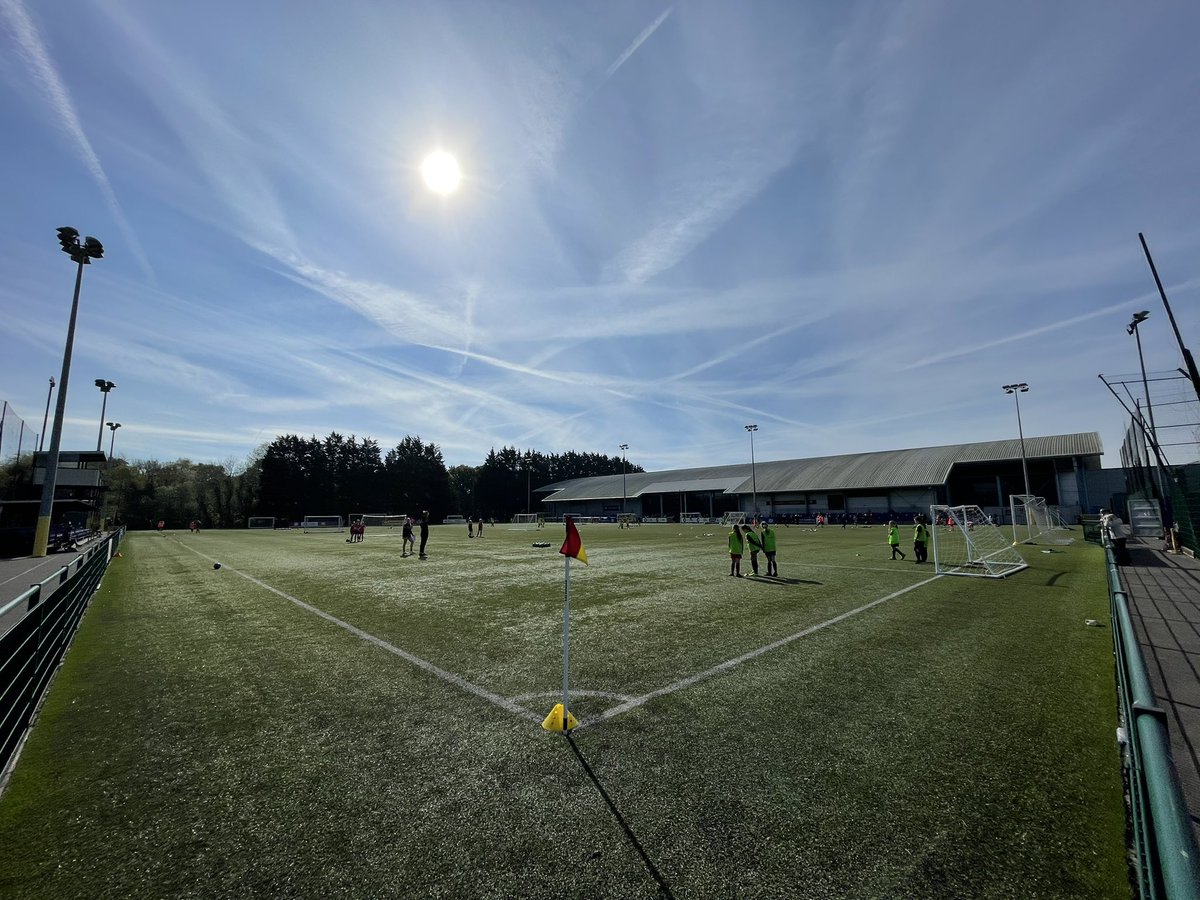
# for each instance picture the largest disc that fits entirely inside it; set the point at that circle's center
(82, 255)
(1132, 328)
(46, 417)
(624, 494)
(105, 387)
(1016, 390)
(753, 479)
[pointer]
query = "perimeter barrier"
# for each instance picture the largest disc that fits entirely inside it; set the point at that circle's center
(44, 621)
(1166, 860)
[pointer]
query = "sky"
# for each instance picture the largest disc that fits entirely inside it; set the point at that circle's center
(847, 223)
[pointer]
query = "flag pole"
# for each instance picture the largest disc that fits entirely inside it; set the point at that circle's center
(566, 635)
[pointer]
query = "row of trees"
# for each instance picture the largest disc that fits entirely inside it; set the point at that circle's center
(292, 477)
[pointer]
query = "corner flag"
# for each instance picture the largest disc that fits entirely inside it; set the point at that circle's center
(573, 545)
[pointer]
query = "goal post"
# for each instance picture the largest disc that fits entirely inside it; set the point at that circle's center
(260, 522)
(527, 521)
(379, 520)
(733, 518)
(1030, 517)
(967, 542)
(321, 523)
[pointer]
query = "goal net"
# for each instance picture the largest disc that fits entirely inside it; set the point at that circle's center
(527, 521)
(967, 542)
(1031, 518)
(260, 522)
(733, 518)
(321, 523)
(379, 520)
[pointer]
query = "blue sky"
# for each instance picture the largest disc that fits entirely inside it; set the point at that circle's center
(847, 223)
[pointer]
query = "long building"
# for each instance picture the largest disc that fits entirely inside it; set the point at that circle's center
(1064, 469)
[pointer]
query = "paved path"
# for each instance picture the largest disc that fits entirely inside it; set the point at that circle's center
(1164, 602)
(17, 575)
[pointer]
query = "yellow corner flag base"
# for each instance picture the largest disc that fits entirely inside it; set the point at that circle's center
(554, 721)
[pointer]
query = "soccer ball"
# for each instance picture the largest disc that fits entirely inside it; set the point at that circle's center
(216, 565)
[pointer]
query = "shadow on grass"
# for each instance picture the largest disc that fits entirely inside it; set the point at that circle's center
(637, 845)
(775, 579)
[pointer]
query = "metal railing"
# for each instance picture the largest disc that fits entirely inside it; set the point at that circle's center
(1166, 859)
(45, 619)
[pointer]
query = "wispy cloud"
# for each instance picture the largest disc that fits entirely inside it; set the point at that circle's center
(45, 75)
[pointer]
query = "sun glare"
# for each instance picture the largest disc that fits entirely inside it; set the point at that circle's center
(441, 172)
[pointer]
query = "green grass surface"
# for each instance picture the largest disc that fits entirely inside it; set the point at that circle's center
(207, 737)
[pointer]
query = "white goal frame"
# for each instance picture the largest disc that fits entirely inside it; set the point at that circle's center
(1032, 518)
(967, 542)
(322, 523)
(257, 522)
(733, 518)
(379, 520)
(527, 521)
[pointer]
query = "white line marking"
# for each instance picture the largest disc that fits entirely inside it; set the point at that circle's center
(745, 657)
(429, 667)
(32, 568)
(575, 692)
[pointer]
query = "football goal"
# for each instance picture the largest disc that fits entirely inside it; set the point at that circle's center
(528, 521)
(967, 542)
(321, 523)
(1031, 518)
(379, 520)
(733, 518)
(260, 522)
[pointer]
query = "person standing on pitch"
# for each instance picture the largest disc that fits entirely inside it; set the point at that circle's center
(735, 551)
(920, 539)
(754, 543)
(768, 544)
(894, 539)
(424, 533)
(408, 544)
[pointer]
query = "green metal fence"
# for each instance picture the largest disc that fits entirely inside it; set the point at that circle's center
(1166, 858)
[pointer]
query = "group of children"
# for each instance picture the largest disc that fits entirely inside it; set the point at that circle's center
(741, 539)
(920, 539)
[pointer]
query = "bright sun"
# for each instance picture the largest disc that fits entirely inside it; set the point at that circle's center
(441, 172)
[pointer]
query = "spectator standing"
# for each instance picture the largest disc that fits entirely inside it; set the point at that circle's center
(768, 544)
(754, 543)
(408, 545)
(424, 533)
(735, 551)
(920, 539)
(1112, 526)
(894, 539)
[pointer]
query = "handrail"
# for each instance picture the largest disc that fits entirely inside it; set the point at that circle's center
(32, 649)
(1167, 857)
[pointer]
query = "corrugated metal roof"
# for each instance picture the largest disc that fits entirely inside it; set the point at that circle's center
(918, 467)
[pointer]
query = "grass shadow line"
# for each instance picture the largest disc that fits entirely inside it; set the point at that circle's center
(637, 845)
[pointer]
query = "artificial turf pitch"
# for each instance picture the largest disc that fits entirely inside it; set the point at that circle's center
(211, 734)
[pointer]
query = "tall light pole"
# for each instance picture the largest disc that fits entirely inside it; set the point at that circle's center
(528, 494)
(105, 387)
(82, 254)
(1132, 328)
(624, 493)
(1016, 390)
(112, 426)
(46, 417)
(753, 478)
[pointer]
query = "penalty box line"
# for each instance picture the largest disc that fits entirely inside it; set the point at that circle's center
(723, 667)
(449, 677)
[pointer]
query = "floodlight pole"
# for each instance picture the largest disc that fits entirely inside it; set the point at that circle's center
(753, 478)
(1132, 328)
(82, 256)
(624, 493)
(1016, 390)
(105, 387)
(1189, 361)
(113, 426)
(46, 417)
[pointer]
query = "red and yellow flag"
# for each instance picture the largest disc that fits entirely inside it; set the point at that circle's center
(573, 546)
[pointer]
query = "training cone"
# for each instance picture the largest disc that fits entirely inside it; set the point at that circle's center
(554, 721)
